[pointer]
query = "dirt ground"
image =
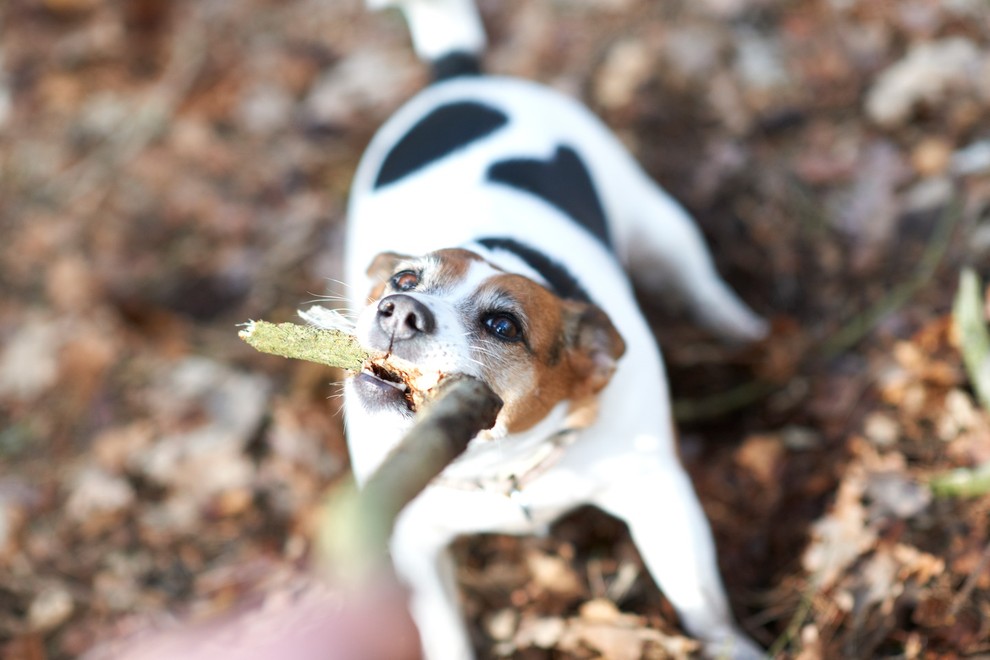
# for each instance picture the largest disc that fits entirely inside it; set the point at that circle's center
(171, 168)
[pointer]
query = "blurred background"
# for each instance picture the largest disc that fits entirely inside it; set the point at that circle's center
(171, 168)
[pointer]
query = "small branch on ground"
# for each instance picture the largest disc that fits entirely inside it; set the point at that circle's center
(963, 595)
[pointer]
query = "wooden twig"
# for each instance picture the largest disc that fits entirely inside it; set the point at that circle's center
(723, 403)
(856, 328)
(355, 525)
(962, 596)
(796, 622)
(301, 342)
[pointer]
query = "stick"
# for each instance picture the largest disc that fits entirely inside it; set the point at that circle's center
(962, 597)
(355, 525)
(301, 342)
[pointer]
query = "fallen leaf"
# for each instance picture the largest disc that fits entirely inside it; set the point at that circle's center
(841, 536)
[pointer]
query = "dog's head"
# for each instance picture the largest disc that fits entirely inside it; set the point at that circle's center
(452, 311)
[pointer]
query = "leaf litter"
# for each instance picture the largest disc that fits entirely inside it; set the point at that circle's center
(159, 187)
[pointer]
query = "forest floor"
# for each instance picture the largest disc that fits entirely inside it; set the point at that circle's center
(171, 168)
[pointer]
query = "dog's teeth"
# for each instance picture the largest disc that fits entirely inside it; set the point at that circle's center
(402, 387)
(399, 386)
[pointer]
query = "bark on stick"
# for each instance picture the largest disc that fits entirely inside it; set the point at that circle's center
(302, 342)
(356, 523)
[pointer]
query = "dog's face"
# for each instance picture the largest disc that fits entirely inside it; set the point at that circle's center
(451, 311)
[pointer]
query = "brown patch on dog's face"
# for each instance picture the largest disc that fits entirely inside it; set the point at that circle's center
(451, 267)
(567, 351)
(442, 269)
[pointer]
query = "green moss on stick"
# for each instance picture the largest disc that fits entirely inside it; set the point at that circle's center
(301, 342)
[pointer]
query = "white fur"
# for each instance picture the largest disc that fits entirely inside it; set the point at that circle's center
(651, 231)
(439, 27)
(625, 462)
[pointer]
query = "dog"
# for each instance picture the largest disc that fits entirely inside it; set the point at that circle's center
(489, 225)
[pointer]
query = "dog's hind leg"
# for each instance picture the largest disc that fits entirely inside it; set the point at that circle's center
(664, 250)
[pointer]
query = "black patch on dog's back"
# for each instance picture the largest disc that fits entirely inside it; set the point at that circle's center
(455, 64)
(557, 276)
(563, 182)
(445, 130)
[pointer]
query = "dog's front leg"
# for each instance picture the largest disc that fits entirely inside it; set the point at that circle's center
(421, 557)
(670, 530)
(422, 560)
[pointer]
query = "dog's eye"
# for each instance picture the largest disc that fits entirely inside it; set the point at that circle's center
(503, 326)
(405, 281)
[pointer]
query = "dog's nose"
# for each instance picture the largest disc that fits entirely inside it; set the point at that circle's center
(404, 317)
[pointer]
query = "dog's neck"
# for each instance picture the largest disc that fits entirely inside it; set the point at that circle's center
(497, 457)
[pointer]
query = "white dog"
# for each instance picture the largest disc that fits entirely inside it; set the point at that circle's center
(489, 222)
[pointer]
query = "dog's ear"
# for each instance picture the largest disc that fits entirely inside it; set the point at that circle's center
(381, 269)
(594, 347)
(594, 344)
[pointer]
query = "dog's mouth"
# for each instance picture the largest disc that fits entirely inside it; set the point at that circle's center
(385, 387)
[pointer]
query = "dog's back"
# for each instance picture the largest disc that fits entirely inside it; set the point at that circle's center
(471, 155)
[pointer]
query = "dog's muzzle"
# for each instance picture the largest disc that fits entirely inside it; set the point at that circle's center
(400, 320)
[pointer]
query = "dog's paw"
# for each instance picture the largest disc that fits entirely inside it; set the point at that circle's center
(726, 315)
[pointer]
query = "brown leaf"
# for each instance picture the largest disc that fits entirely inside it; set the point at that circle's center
(842, 535)
(553, 573)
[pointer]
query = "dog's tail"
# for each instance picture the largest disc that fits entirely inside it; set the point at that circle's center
(446, 33)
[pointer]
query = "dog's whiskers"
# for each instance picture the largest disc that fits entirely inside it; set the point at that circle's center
(346, 285)
(477, 362)
(344, 310)
(486, 352)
